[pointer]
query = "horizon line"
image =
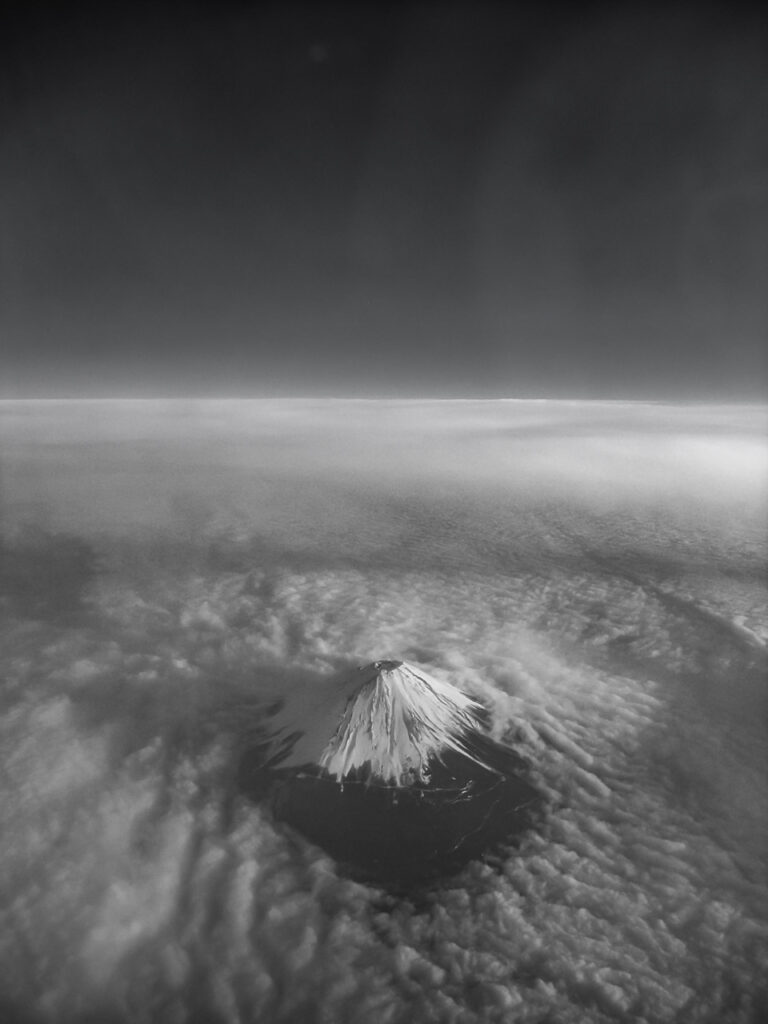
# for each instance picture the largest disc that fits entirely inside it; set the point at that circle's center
(635, 400)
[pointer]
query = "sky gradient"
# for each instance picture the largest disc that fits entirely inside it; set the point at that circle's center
(435, 199)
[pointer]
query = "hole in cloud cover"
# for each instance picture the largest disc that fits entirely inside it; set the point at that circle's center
(391, 771)
(593, 574)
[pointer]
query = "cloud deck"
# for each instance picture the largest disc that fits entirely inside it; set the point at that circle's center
(135, 882)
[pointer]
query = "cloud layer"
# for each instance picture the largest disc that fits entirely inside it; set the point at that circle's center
(617, 633)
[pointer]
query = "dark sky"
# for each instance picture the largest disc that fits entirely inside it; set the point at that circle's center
(399, 199)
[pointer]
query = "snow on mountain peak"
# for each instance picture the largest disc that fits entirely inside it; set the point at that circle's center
(388, 719)
(399, 719)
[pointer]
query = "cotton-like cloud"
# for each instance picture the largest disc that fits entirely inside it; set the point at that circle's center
(619, 644)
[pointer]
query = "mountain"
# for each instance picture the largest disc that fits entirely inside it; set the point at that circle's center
(392, 772)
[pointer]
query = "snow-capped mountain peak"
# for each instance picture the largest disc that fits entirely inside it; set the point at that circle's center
(387, 719)
(396, 722)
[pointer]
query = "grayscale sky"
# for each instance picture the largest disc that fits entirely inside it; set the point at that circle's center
(433, 199)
